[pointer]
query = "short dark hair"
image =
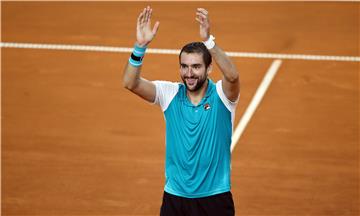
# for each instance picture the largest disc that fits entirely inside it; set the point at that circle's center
(197, 47)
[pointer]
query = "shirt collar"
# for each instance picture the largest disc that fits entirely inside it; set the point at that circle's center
(209, 91)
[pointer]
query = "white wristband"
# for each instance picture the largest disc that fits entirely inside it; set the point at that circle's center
(210, 43)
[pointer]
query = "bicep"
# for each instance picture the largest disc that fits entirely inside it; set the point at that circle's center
(231, 89)
(145, 89)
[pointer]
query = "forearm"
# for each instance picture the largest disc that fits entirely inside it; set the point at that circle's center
(225, 64)
(131, 76)
(132, 69)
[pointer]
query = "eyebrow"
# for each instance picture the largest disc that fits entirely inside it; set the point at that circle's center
(193, 65)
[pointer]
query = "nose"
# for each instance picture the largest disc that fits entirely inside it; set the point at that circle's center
(189, 72)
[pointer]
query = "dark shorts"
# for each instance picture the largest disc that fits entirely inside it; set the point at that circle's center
(219, 204)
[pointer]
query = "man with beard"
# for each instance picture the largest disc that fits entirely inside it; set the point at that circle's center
(199, 118)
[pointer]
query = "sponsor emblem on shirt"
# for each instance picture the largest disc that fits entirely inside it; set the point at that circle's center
(207, 106)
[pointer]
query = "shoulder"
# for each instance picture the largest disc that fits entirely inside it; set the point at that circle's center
(164, 83)
(166, 86)
(165, 92)
(230, 105)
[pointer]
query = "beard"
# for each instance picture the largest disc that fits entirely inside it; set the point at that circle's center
(195, 83)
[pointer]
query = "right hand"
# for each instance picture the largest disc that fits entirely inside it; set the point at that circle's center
(144, 33)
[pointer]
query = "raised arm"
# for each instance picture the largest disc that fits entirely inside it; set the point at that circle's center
(131, 76)
(230, 80)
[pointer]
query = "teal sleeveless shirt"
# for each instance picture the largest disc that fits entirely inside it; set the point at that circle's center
(198, 139)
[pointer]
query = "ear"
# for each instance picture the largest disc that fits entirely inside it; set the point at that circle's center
(209, 69)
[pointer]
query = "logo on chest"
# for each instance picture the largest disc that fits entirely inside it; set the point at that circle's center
(207, 106)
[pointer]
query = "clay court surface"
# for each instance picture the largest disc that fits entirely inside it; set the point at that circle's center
(74, 142)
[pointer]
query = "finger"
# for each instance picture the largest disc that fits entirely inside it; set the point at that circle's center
(144, 15)
(199, 20)
(140, 17)
(156, 27)
(147, 14)
(150, 13)
(202, 20)
(202, 10)
(202, 15)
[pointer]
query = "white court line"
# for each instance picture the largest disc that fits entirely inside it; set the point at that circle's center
(255, 102)
(258, 95)
(176, 51)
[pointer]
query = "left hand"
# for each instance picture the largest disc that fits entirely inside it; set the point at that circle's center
(203, 19)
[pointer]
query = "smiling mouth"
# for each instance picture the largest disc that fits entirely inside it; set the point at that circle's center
(191, 81)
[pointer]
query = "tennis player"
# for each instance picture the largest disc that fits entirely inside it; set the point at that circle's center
(199, 115)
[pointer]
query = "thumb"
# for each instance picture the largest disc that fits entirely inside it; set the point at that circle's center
(156, 27)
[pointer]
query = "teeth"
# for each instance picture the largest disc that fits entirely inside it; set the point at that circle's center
(191, 81)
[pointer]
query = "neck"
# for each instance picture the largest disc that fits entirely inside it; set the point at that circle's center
(196, 96)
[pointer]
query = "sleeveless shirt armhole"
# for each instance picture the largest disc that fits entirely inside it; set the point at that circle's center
(165, 92)
(230, 105)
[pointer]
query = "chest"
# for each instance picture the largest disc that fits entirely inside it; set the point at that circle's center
(182, 113)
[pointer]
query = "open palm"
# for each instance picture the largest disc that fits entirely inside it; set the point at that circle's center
(203, 19)
(144, 33)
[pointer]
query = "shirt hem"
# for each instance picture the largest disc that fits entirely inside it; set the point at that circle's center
(197, 195)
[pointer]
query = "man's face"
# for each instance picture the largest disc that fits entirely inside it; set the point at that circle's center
(192, 70)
